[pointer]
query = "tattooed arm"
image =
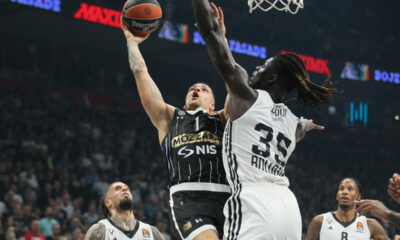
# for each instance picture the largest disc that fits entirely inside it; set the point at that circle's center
(153, 103)
(157, 234)
(314, 228)
(96, 232)
(376, 230)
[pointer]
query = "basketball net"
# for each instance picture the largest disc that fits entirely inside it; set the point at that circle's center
(291, 6)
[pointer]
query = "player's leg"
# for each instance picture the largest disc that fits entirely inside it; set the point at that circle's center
(207, 235)
(196, 215)
(262, 211)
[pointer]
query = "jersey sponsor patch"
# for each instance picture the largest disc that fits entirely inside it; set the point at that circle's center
(199, 150)
(204, 136)
(279, 110)
(360, 227)
(145, 233)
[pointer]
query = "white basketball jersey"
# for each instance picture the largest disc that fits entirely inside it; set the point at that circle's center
(143, 232)
(333, 229)
(257, 145)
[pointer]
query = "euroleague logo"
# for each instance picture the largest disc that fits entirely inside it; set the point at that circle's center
(147, 11)
(360, 227)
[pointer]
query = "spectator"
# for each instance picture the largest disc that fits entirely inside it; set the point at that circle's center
(91, 216)
(34, 233)
(47, 222)
(55, 232)
(66, 205)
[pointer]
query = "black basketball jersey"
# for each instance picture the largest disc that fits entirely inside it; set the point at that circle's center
(193, 148)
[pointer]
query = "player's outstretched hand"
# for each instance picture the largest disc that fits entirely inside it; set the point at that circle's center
(374, 207)
(394, 187)
(310, 125)
(219, 15)
(129, 35)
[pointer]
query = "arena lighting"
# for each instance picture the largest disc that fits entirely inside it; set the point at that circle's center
(397, 117)
(355, 72)
(316, 65)
(357, 113)
(238, 47)
(93, 13)
(51, 5)
(385, 76)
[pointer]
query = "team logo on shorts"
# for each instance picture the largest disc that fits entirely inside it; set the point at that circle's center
(181, 113)
(360, 227)
(187, 226)
(146, 233)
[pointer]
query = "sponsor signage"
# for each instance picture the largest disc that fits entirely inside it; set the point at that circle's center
(96, 14)
(238, 47)
(174, 32)
(316, 65)
(355, 72)
(384, 76)
(50, 5)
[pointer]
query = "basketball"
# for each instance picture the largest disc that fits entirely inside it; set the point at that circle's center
(142, 16)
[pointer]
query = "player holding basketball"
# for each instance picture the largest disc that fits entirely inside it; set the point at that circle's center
(345, 223)
(260, 136)
(120, 223)
(191, 139)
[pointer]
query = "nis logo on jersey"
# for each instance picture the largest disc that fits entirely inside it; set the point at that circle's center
(204, 136)
(203, 149)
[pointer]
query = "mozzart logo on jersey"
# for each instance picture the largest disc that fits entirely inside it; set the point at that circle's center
(355, 72)
(204, 136)
(51, 5)
(238, 47)
(385, 76)
(316, 65)
(98, 14)
(174, 32)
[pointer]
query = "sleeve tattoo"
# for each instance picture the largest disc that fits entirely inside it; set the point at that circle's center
(314, 228)
(96, 232)
(377, 231)
(157, 234)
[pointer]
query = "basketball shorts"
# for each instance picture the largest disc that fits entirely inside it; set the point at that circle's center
(260, 211)
(192, 212)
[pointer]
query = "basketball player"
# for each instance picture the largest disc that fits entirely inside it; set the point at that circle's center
(120, 222)
(191, 139)
(260, 136)
(378, 209)
(345, 223)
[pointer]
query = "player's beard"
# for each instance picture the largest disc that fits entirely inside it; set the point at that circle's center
(125, 204)
(345, 207)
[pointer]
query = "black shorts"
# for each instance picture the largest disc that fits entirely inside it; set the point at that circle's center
(197, 210)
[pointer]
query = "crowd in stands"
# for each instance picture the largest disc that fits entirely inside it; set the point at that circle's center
(58, 157)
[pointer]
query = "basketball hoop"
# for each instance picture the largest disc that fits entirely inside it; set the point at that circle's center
(291, 6)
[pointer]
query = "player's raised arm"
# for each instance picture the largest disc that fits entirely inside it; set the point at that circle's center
(159, 112)
(218, 49)
(233, 74)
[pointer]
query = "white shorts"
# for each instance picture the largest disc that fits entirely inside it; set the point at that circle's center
(262, 211)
